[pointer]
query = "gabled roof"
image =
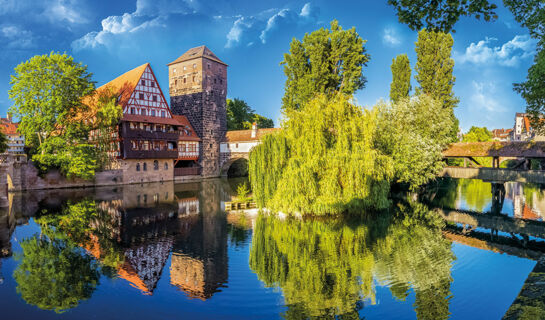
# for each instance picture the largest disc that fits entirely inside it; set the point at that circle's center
(124, 84)
(8, 127)
(246, 135)
(197, 52)
(183, 121)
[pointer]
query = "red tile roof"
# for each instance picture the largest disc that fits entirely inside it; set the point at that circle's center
(246, 135)
(182, 121)
(9, 128)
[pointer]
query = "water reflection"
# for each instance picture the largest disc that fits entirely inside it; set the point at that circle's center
(327, 269)
(142, 234)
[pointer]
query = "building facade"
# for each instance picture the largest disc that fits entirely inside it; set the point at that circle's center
(16, 141)
(198, 91)
(149, 140)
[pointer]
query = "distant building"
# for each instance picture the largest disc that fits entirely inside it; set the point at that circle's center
(243, 140)
(501, 134)
(523, 130)
(16, 141)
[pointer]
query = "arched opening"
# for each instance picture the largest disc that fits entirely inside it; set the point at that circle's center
(236, 168)
(10, 181)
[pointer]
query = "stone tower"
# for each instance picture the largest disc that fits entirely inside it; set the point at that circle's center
(198, 90)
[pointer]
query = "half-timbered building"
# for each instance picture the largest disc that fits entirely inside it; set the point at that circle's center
(149, 140)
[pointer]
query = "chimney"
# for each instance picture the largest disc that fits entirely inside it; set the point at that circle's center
(254, 130)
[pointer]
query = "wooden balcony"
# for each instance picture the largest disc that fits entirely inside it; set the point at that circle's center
(192, 171)
(188, 155)
(150, 135)
(150, 154)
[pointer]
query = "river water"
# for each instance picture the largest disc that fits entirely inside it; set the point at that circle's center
(170, 251)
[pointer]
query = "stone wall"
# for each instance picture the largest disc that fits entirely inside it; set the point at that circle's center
(204, 105)
(131, 174)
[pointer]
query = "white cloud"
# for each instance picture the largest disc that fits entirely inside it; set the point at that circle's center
(148, 14)
(509, 54)
(390, 37)
(66, 11)
(244, 29)
(485, 97)
(240, 25)
(17, 38)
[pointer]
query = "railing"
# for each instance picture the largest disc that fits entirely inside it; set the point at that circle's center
(188, 154)
(151, 154)
(152, 135)
(192, 171)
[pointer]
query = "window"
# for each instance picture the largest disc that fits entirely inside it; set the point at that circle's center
(166, 168)
(145, 169)
(209, 66)
(182, 147)
(154, 99)
(153, 113)
(170, 146)
(138, 167)
(175, 83)
(133, 111)
(155, 165)
(194, 66)
(134, 145)
(236, 145)
(143, 112)
(145, 145)
(185, 68)
(153, 84)
(221, 81)
(193, 78)
(141, 96)
(184, 80)
(132, 125)
(162, 114)
(174, 70)
(214, 80)
(143, 82)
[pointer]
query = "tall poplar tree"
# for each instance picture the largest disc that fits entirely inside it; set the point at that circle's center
(326, 61)
(401, 78)
(434, 70)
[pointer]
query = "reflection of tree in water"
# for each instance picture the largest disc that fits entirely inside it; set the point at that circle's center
(327, 268)
(53, 274)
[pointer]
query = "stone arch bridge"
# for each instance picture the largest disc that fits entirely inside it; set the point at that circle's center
(237, 146)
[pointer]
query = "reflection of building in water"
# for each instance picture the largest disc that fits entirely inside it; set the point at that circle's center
(145, 220)
(199, 259)
(526, 205)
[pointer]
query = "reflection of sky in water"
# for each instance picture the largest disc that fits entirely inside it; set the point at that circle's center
(484, 283)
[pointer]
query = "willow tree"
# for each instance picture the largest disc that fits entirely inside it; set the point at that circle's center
(326, 61)
(401, 78)
(328, 163)
(434, 71)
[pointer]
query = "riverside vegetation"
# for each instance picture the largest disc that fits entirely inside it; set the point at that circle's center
(335, 157)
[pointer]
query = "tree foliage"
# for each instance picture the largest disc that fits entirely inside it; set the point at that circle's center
(533, 91)
(326, 61)
(530, 13)
(477, 134)
(322, 162)
(401, 78)
(434, 71)
(240, 116)
(47, 92)
(414, 132)
(54, 274)
(3, 142)
(441, 15)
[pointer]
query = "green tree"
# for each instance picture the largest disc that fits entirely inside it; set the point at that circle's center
(326, 61)
(238, 113)
(240, 116)
(414, 132)
(442, 15)
(530, 13)
(3, 142)
(477, 134)
(54, 274)
(401, 78)
(324, 161)
(434, 71)
(533, 91)
(48, 93)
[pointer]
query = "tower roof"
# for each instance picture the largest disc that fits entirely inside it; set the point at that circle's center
(197, 52)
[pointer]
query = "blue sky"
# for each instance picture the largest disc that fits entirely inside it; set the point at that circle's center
(112, 37)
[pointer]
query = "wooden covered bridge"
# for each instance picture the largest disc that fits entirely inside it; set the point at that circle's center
(520, 152)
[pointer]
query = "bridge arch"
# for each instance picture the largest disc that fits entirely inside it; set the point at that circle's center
(235, 166)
